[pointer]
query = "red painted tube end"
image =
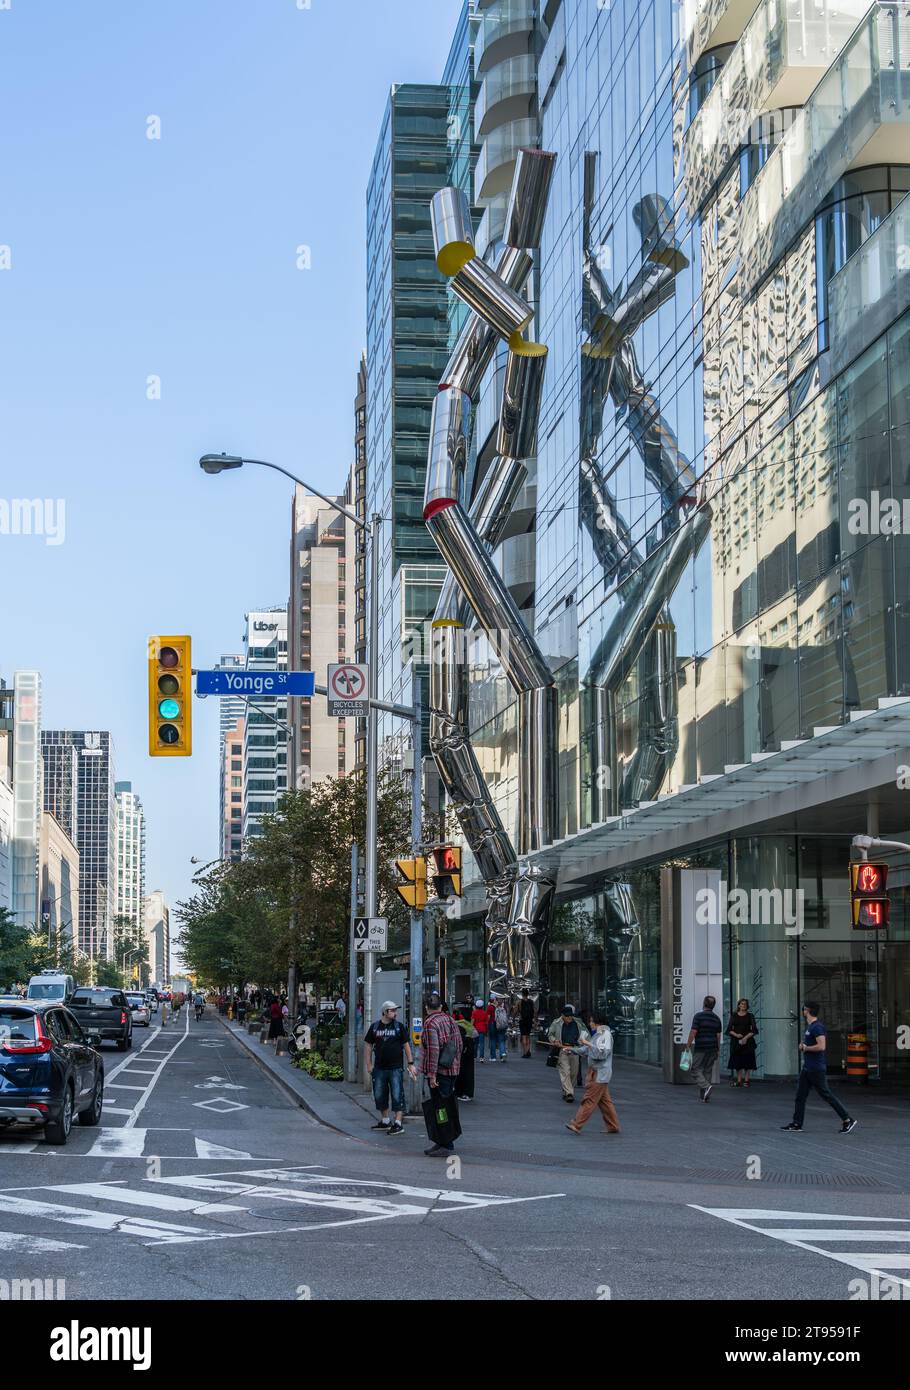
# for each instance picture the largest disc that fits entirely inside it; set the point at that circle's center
(438, 504)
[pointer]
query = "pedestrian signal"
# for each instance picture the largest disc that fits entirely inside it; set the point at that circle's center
(870, 904)
(447, 871)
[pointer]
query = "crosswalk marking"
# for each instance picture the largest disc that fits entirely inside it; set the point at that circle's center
(204, 1196)
(119, 1143)
(17, 1147)
(206, 1150)
(848, 1231)
(27, 1244)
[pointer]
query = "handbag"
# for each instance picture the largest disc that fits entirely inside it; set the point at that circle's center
(685, 1061)
(553, 1057)
(441, 1118)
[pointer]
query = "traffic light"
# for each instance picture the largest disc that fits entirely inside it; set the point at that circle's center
(869, 896)
(170, 672)
(413, 887)
(447, 871)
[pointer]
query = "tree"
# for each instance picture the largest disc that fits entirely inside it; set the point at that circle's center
(131, 947)
(23, 952)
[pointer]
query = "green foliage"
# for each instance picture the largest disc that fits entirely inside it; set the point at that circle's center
(23, 952)
(288, 901)
(322, 1068)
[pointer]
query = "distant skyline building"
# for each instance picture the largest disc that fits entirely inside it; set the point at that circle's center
(157, 927)
(61, 783)
(232, 792)
(6, 840)
(319, 632)
(130, 853)
(96, 837)
(265, 760)
(27, 797)
(231, 707)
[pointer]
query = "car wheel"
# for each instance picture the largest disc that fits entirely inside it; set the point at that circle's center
(147, 1022)
(92, 1115)
(58, 1131)
(122, 1044)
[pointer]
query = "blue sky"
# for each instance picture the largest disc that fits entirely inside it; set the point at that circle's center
(133, 258)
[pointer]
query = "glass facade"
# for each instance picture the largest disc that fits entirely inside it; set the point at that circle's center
(726, 391)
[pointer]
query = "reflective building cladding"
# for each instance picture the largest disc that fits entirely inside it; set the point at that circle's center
(711, 545)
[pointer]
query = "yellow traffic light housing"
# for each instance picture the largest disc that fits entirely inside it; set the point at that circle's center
(447, 871)
(170, 692)
(413, 887)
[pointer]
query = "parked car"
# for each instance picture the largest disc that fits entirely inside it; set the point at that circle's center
(52, 985)
(105, 1014)
(151, 998)
(49, 1072)
(139, 1009)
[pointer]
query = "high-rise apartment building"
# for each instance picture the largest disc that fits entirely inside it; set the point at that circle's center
(130, 853)
(232, 792)
(265, 751)
(27, 793)
(320, 631)
(96, 825)
(59, 883)
(700, 552)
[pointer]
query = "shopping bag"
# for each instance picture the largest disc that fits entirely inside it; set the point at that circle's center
(441, 1117)
(685, 1060)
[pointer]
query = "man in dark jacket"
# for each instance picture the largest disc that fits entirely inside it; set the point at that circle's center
(441, 1058)
(704, 1040)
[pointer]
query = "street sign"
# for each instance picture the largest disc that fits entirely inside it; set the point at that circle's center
(348, 687)
(256, 683)
(371, 933)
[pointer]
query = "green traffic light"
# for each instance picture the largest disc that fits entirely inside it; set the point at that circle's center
(168, 709)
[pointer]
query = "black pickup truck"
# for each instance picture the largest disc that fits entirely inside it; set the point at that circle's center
(104, 1014)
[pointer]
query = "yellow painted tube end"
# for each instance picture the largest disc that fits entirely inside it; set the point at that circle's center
(446, 622)
(522, 348)
(453, 256)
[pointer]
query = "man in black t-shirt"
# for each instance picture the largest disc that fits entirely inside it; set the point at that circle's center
(704, 1040)
(385, 1046)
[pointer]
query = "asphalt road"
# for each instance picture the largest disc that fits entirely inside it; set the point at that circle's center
(206, 1181)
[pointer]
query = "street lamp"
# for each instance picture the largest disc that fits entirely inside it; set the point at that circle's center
(220, 463)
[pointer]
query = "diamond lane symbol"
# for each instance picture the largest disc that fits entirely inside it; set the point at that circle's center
(220, 1104)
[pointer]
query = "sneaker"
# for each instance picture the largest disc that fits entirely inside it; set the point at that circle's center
(707, 1095)
(573, 1129)
(480, 1060)
(797, 1128)
(503, 1059)
(382, 1124)
(396, 1128)
(701, 1093)
(848, 1125)
(570, 1099)
(437, 1152)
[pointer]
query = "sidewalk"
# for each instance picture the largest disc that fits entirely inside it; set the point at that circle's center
(518, 1116)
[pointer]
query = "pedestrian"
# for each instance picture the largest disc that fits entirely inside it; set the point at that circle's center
(742, 1031)
(481, 1021)
(464, 1089)
(276, 1023)
(385, 1048)
(704, 1040)
(566, 1033)
(341, 1008)
(814, 1072)
(500, 1032)
(599, 1052)
(241, 1010)
(441, 1055)
(526, 1012)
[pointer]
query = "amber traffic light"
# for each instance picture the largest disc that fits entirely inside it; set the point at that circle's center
(413, 886)
(869, 901)
(170, 694)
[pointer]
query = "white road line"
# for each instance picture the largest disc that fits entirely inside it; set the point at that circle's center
(34, 1245)
(113, 1110)
(206, 1150)
(125, 1142)
(161, 1201)
(804, 1238)
(8, 1148)
(143, 1099)
(96, 1220)
(121, 1086)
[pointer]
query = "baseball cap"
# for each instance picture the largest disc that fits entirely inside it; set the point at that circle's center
(568, 1008)
(390, 1004)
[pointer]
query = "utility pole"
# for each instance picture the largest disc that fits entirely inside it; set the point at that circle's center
(416, 954)
(351, 1039)
(372, 828)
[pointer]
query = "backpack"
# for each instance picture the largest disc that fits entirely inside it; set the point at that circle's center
(502, 1018)
(448, 1049)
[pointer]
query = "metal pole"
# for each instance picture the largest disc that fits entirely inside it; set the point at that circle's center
(370, 886)
(350, 1057)
(416, 956)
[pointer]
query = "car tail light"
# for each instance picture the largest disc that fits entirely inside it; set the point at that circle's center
(122, 1016)
(29, 1048)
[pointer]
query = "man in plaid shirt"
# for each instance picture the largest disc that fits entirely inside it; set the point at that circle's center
(438, 1030)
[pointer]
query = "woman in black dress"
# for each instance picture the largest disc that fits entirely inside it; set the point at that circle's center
(742, 1030)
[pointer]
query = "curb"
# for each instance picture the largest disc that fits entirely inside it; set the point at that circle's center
(286, 1085)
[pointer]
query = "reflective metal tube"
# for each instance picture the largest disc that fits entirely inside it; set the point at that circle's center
(477, 340)
(450, 438)
(528, 198)
(521, 394)
(453, 234)
(479, 286)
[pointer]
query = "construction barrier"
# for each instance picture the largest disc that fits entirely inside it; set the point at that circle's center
(858, 1055)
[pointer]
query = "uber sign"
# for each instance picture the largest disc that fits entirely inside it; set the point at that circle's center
(371, 933)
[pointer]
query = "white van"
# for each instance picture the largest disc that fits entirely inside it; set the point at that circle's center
(61, 987)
